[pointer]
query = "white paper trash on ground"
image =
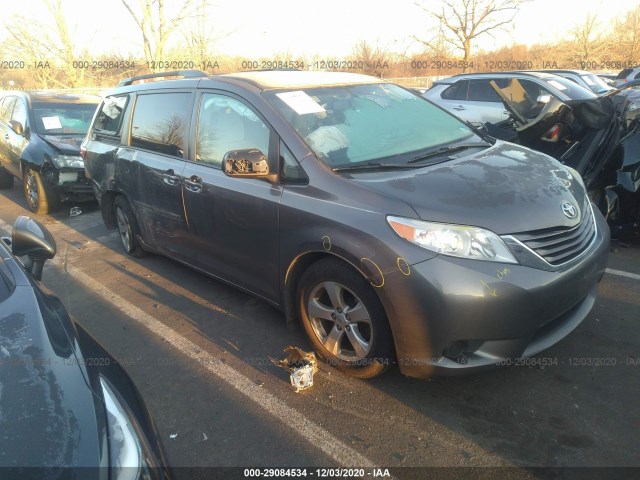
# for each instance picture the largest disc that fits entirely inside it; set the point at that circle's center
(302, 365)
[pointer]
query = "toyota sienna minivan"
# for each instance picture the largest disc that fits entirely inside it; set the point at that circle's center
(390, 229)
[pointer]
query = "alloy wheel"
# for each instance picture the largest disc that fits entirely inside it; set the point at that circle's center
(340, 321)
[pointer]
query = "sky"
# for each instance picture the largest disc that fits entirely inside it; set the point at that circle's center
(326, 28)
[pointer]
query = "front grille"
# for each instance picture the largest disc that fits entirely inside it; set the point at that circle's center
(562, 244)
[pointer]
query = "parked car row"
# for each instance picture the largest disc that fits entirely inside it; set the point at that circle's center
(391, 230)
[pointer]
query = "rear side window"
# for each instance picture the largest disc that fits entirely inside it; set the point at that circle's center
(457, 91)
(160, 122)
(637, 76)
(109, 119)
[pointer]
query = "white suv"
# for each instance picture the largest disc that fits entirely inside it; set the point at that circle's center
(471, 97)
(628, 75)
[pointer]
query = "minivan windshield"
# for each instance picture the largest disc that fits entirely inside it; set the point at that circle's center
(63, 118)
(356, 124)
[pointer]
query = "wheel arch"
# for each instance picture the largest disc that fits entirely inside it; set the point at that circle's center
(296, 269)
(107, 207)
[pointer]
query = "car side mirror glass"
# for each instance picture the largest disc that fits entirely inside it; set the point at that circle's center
(16, 126)
(31, 239)
(543, 99)
(247, 163)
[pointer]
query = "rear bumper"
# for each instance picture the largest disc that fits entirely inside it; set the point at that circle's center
(491, 312)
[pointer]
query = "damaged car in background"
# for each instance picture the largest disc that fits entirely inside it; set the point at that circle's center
(597, 137)
(40, 136)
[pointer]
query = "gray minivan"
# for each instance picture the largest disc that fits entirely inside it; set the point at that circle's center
(391, 230)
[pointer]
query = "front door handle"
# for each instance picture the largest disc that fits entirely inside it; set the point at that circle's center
(459, 107)
(169, 177)
(6, 136)
(193, 184)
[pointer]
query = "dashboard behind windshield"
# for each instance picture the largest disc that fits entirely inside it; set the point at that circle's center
(355, 124)
(63, 118)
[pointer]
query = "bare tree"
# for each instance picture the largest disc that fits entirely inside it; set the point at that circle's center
(463, 21)
(200, 34)
(626, 34)
(48, 48)
(63, 48)
(587, 39)
(150, 16)
(369, 59)
(437, 47)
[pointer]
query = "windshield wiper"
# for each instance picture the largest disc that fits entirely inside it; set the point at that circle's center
(447, 150)
(373, 166)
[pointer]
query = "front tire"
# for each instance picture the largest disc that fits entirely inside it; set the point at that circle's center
(128, 228)
(41, 196)
(344, 319)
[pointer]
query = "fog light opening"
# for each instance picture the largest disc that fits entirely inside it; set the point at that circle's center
(455, 349)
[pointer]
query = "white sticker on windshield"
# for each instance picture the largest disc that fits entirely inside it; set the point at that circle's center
(558, 85)
(51, 123)
(300, 102)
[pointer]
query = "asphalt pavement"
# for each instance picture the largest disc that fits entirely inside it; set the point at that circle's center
(201, 354)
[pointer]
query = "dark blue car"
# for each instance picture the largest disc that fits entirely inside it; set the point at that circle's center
(67, 409)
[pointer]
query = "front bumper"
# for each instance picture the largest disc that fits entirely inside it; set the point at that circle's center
(71, 183)
(489, 311)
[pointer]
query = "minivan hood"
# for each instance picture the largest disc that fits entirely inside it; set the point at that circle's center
(506, 188)
(67, 144)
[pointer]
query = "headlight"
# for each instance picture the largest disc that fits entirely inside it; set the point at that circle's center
(128, 453)
(455, 240)
(68, 161)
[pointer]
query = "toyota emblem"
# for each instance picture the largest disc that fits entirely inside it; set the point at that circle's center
(569, 210)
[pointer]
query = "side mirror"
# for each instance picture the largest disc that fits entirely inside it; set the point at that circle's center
(543, 99)
(16, 127)
(31, 239)
(248, 163)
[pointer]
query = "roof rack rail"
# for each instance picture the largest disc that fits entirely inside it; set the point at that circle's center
(175, 73)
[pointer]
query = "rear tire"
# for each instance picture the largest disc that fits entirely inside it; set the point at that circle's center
(128, 228)
(41, 197)
(344, 319)
(6, 179)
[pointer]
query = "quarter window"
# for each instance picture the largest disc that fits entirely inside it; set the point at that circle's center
(109, 119)
(226, 124)
(160, 122)
(290, 169)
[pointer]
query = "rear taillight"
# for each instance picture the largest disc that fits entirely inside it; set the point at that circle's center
(83, 153)
(553, 134)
